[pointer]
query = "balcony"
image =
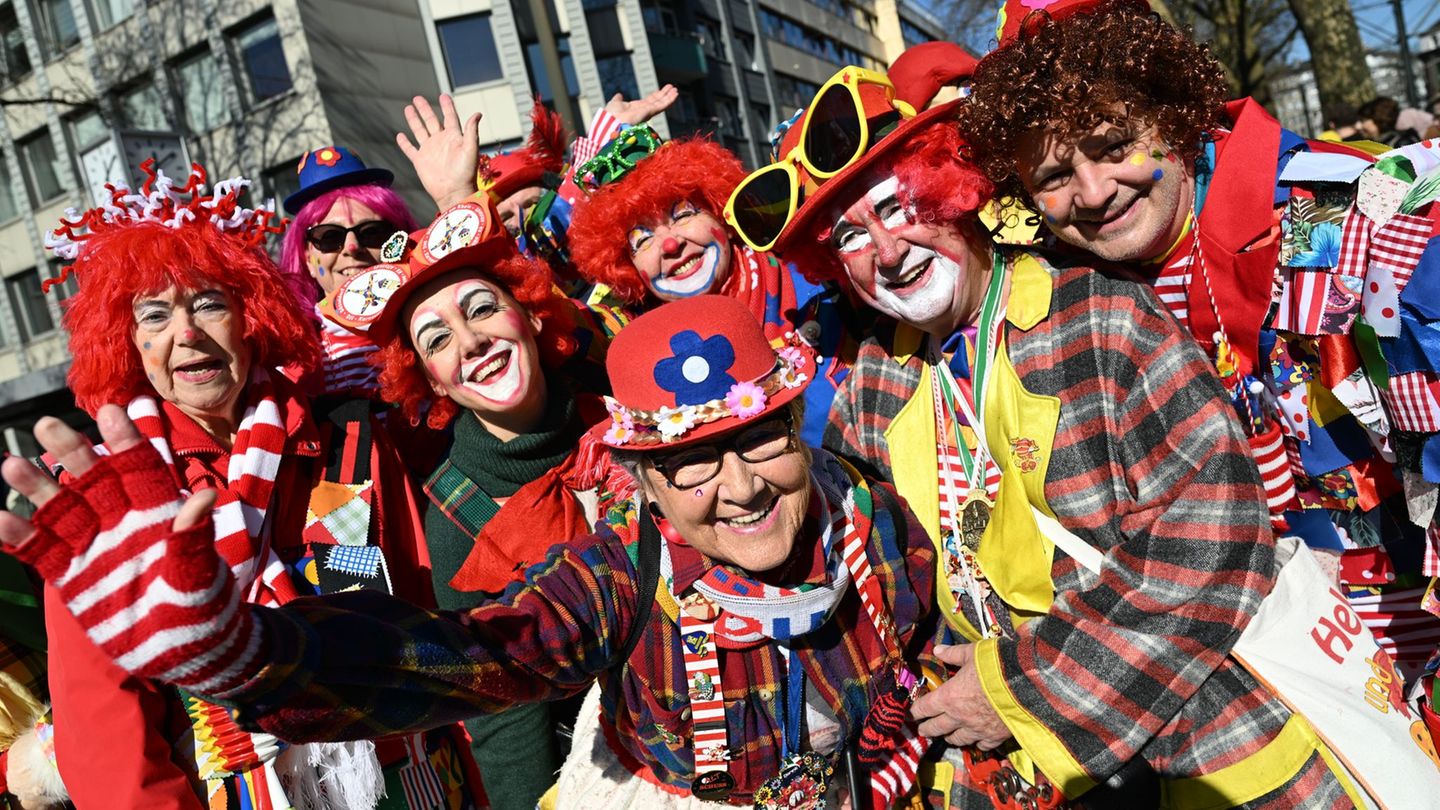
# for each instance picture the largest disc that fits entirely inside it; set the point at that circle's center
(678, 57)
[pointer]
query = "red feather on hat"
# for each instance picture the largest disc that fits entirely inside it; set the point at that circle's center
(548, 138)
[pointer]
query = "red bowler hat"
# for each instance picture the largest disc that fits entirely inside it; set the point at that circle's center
(1017, 17)
(694, 368)
(468, 234)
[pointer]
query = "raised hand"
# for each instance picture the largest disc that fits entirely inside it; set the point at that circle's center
(445, 154)
(640, 110)
(134, 563)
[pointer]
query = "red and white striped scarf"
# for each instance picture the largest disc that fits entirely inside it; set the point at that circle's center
(242, 505)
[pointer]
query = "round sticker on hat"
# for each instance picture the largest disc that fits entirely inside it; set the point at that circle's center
(460, 227)
(362, 297)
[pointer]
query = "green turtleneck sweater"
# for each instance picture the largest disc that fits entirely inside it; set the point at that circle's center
(515, 749)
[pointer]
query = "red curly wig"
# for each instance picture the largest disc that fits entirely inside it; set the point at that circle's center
(697, 170)
(936, 180)
(527, 280)
(117, 265)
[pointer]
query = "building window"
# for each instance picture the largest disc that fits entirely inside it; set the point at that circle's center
(12, 44)
(280, 181)
(617, 75)
(110, 12)
(792, 93)
(912, 33)
(88, 129)
(811, 41)
(142, 108)
(469, 50)
(32, 313)
(258, 50)
(197, 80)
(57, 21)
(8, 209)
(37, 156)
(712, 39)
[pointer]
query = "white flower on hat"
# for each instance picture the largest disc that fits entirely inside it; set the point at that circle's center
(673, 422)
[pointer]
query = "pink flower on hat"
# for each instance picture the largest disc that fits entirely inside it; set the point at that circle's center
(746, 399)
(619, 413)
(619, 433)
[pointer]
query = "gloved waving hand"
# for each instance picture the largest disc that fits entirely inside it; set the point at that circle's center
(132, 559)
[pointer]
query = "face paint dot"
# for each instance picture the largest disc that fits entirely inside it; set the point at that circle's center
(1137, 159)
(146, 344)
(699, 493)
(1157, 174)
(1050, 218)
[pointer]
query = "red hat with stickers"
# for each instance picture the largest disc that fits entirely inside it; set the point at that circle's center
(468, 234)
(694, 368)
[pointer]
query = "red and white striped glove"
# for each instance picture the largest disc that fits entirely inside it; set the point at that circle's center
(160, 602)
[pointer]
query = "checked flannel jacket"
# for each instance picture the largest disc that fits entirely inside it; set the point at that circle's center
(357, 665)
(1148, 464)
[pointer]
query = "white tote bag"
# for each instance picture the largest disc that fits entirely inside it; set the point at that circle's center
(1312, 651)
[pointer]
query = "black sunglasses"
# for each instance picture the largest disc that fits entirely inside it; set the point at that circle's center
(330, 238)
(689, 467)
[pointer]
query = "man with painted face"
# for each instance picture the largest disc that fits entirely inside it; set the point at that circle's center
(1306, 273)
(1062, 678)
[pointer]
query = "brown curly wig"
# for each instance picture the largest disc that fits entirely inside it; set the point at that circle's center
(1120, 63)
(696, 170)
(402, 374)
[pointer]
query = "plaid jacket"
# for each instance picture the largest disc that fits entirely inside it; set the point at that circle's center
(1149, 465)
(358, 665)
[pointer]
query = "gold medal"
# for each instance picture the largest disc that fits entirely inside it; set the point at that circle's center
(974, 517)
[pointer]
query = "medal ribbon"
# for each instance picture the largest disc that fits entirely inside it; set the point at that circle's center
(948, 399)
(698, 616)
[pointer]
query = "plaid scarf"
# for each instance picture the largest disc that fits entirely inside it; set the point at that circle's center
(241, 506)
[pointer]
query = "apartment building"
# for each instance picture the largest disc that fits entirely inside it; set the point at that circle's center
(90, 88)
(740, 65)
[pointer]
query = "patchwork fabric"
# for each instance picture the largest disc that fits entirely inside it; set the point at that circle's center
(1398, 246)
(351, 568)
(1412, 402)
(1355, 245)
(339, 514)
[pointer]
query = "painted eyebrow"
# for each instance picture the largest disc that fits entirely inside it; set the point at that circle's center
(432, 322)
(469, 295)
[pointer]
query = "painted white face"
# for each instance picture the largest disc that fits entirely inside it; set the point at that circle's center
(909, 269)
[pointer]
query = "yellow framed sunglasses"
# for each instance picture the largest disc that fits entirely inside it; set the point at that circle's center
(834, 135)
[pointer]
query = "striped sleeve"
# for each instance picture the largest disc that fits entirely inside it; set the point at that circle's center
(1150, 466)
(362, 664)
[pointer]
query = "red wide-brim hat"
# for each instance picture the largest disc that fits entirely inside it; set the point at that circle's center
(695, 368)
(468, 234)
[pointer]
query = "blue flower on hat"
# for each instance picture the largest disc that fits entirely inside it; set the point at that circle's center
(696, 373)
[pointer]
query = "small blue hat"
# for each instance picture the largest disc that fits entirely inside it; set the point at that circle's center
(328, 168)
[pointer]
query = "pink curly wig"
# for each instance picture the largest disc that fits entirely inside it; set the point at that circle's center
(382, 200)
(117, 265)
(936, 180)
(697, 170)
(402, 375)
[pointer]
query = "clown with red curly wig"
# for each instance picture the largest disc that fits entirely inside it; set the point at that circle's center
(650, 227)
(182, 318)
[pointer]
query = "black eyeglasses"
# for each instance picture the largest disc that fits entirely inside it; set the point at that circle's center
(689, 467)
(330, 238)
